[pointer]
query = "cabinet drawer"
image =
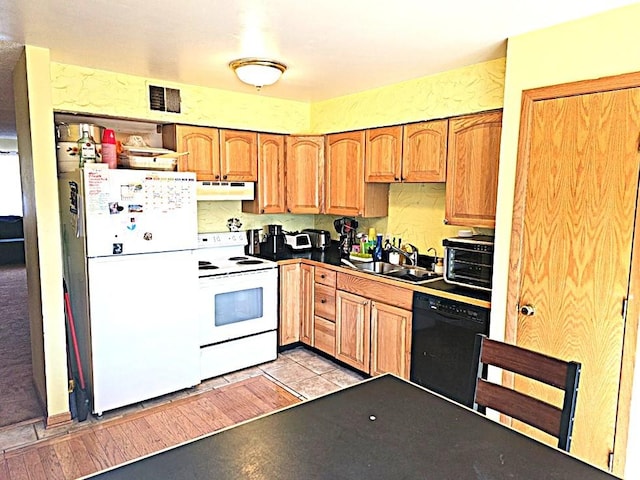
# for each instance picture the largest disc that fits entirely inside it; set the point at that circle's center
(325, 301)
(374, 290)
(325, 335)
(325, 277)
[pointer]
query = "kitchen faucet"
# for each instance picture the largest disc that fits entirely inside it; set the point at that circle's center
(411, 257)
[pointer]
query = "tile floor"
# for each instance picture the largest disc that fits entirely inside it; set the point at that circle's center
(300, 371)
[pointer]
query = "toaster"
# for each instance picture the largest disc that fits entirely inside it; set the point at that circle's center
(319, 238)
(297, 241)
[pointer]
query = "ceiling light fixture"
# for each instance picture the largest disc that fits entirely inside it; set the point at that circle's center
(258, 71)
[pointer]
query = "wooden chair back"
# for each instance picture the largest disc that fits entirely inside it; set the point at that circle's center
(532, 411)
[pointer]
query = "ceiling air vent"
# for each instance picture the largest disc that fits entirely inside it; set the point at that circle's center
(164, 99)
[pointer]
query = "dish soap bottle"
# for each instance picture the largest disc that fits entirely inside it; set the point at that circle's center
(86, 148)
(377, 251)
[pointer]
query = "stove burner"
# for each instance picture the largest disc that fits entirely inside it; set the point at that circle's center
(249, 262)
(202, 263)
(233, 259)
(208, 267)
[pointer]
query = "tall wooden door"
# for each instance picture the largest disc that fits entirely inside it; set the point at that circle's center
(574, 215)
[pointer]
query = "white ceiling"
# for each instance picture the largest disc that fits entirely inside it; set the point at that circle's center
(332, 47)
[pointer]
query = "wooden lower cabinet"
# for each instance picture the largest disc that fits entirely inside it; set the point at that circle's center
(324, 302)
(348, 317)
(372, 336)
(353, 324)
(296, 303)
(324, 335)
(390, 340)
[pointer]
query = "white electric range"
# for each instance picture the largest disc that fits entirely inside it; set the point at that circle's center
(237, 305)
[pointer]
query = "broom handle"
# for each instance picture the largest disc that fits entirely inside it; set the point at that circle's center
(74, 340)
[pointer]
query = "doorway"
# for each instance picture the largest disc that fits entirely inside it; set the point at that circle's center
(18, 398)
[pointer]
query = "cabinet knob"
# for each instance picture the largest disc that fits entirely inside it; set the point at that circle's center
(396, 179)
(262, 211)
(445, 221)
(527, 310)
(322, 276)
(217, 177)
(224, 177)
(324, 300)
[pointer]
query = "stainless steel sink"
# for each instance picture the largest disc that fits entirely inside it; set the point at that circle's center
(407, 273)
(414, 275)
(377, 267)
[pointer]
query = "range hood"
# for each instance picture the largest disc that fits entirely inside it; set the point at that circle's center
(225, 191)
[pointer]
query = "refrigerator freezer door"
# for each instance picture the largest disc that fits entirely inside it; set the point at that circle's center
(137, 211)
(144, 327)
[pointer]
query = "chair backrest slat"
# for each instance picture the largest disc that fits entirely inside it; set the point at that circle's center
(529, 410)
(543, 368)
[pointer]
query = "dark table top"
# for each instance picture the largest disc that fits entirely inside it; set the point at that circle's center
(384, 428)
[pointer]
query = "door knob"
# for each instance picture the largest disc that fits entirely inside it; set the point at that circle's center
(527, 310)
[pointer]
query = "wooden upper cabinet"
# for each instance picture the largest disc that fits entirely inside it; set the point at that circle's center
(305, 174)
(270, 188)
(424, 151)
(383, 163)
(346, 191)
(203, 146)
(472, 169)
(238, 155)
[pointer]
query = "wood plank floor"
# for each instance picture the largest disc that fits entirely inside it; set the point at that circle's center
(116, 441)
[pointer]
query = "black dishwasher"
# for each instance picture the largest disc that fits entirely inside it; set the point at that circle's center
(442, 345)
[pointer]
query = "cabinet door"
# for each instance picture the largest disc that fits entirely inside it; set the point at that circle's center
(345, 173)
(270, 189)
(383, 162)
(306, 304)
(305, 174)
(472, 169)
(290, 304)
(353, 330)
(203, 146)
(390, 340)
(424, 151)
(239, 155)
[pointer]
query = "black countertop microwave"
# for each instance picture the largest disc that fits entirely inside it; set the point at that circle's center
(468, 261)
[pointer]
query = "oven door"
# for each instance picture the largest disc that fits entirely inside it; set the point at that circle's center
(237, 305)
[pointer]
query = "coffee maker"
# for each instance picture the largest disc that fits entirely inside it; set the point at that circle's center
(347, 227)
(273, 240)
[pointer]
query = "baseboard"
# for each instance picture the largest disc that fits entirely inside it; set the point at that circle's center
(57, 420)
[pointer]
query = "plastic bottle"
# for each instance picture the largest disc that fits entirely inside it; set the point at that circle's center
(109, 148)
(86, 148)
(439, 267)
(377, 251)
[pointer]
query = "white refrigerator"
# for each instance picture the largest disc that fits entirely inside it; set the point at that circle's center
(129, 239)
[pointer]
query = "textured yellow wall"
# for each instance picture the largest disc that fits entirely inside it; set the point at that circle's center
(465, 90)
(98, 92)
(43, 248)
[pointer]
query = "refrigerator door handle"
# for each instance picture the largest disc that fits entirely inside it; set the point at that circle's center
(80, 218)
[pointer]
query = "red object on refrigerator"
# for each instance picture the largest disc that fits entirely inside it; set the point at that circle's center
(109, 148)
